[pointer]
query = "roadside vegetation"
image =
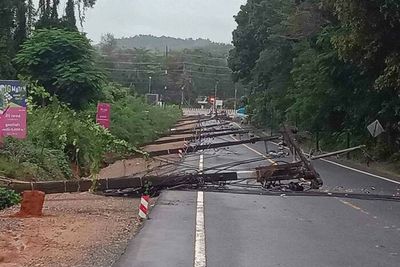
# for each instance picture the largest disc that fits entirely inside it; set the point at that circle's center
(328, 67)
(59, 66)
(8, 198)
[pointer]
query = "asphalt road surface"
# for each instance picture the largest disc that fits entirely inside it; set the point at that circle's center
(242, 228)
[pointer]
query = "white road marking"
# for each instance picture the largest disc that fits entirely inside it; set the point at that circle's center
(360, 171)
(200, 241)
(255, 151)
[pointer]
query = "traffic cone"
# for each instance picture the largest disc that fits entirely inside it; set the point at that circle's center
(180, 153)
(144, 206)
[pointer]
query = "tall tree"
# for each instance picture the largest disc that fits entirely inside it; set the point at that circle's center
(30, 16)
(21, 27)
(7, 9)
(63, 62)
(69, 18)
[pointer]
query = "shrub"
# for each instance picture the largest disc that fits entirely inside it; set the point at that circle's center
(82, 140)
(8, 198)
(21, 159)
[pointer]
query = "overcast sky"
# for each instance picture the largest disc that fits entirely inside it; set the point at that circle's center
(211, 19)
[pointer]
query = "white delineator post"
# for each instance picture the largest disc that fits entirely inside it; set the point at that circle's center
(144, 206)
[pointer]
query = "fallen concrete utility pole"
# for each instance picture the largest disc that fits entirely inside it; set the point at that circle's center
(198, 131)
(300, 169)
(335, 153)
(199, 127)
(82, 185)
(191, 149)
(194, 122)
(193, 117)
(202, 136)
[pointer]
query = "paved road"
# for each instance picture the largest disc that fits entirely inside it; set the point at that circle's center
(257, 230)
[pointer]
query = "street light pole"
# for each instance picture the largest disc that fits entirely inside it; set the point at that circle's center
(149, 84)
(215, 96)
(182, 96)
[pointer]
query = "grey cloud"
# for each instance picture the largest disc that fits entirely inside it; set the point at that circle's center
(211, 19)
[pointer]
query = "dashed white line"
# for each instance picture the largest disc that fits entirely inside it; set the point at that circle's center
(200, 239)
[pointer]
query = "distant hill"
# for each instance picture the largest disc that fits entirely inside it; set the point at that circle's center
(159, 43)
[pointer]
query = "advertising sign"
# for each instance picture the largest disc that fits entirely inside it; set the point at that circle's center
(103, 116)
(13, 109)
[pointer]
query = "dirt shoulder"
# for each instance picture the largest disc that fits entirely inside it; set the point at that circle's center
(79, 229)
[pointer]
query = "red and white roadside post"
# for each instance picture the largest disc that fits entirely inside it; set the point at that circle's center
(144, 206)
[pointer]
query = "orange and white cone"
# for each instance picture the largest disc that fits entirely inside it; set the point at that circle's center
(144, 206)
(180, 153)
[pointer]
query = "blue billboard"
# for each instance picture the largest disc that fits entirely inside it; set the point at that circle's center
(12, 94)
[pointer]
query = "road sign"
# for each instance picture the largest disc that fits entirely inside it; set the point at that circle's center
(375, 128)
(13, 109)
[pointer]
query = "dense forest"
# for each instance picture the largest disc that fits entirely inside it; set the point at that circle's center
(64, 80)
(155, 43)
(329, 67)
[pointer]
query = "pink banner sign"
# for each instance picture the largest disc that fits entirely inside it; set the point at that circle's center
(103, 116)
(13, 122)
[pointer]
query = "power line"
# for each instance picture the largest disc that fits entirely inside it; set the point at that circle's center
(206, 65)
(132, 63)
(200, 72)
(161, 64)
(134, 70)
(163, 55)
(205, 56)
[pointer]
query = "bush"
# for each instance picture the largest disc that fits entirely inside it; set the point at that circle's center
(82, 140)
(24, 160)
(8, 198)
(137, 122)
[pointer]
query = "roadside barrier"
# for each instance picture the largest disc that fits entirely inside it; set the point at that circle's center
(144, 206)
